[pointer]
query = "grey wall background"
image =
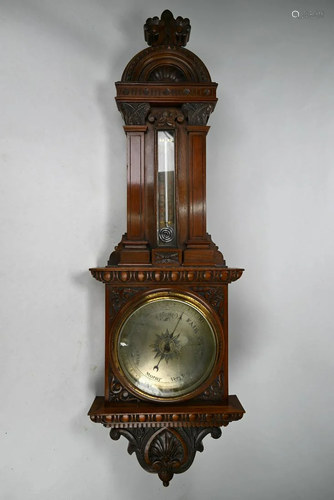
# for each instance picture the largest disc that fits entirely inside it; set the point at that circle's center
(270, 209)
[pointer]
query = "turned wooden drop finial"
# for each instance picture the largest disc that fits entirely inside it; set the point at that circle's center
(167, 30)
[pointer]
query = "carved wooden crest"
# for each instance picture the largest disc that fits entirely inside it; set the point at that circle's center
(167, 30)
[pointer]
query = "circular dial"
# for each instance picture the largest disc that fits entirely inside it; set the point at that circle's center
(166, 347)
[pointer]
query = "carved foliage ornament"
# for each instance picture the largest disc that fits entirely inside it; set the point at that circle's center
(214, 295)
(166, 117)
(134, 113)
(215, 392)
(118, 393)
(166, 451)
(197, 113)
(118, 297)
(167, 30)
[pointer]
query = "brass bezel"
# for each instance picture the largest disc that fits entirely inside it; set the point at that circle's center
(196, 301)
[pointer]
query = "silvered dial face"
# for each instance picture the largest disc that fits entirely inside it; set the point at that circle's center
(166, 348)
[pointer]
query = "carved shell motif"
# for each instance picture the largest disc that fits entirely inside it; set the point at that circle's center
(166, 453)
(167, 73)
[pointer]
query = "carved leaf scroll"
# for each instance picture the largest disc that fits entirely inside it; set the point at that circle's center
(118, 393)
(215, 392)
(214, 295)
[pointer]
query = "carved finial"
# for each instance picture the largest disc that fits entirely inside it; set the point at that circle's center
(167, 30)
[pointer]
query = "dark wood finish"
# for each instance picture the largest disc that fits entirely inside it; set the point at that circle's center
(166, 256)
(136, 184)
(167, 30)
(165, 438)
(166, 87)
(197, 183)
(165, 451)
(169, 94)
(153, 276)
(186, 414)
(121, 295)
(135, 246)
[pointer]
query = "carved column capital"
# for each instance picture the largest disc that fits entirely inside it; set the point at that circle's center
(197, 112)
(134, 113)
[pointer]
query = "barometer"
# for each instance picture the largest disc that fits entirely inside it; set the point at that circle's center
(166, 347)
(166, 283)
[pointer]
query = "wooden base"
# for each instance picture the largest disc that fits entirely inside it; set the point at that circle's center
(166, 451)
(165, 437)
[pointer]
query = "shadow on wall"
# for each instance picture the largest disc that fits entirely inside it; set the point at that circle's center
(116, 167)
(128, 36)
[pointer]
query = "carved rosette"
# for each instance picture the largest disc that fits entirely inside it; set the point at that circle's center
(165, 451)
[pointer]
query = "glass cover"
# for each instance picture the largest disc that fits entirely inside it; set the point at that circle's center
(166, 188)
(167, 348)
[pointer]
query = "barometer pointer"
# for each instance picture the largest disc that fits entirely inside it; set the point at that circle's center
(177, 324)
(167, 347)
